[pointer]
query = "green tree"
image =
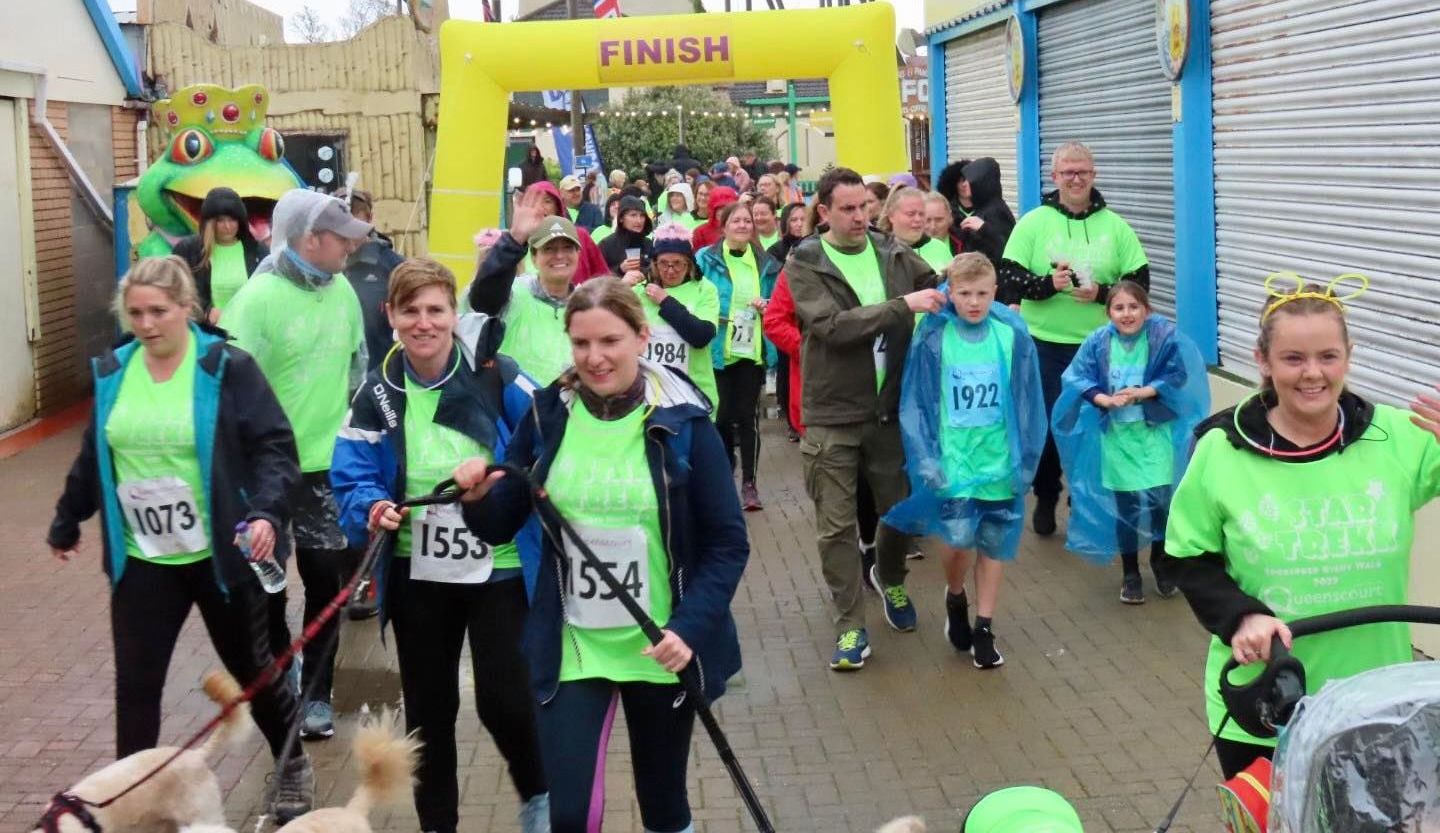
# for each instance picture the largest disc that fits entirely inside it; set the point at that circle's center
(629, 142)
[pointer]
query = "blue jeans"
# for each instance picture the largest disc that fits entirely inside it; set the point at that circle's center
(1054, 359)
(575, 733)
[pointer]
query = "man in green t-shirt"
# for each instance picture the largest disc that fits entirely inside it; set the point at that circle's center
(1061, 260)
(302, 323)
(856, 295)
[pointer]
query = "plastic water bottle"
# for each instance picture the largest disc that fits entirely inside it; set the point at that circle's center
(268, 570)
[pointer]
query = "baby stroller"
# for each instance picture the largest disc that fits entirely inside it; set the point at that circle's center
(1362, 755)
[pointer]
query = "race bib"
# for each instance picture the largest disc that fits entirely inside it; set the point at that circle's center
(879, 348)
(1122, 377)
(975, 395)
(589, 602)
(742, 333)
(163, 516)
(443, 549)
(667, 347)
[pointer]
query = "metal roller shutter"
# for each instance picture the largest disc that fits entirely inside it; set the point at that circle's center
(979, 115)
(1101, 84)
(1327, 160)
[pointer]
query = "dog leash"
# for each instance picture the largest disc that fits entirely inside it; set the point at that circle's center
(67, 803)
(689, 675)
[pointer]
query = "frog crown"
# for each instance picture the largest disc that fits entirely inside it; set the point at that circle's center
(1332, 293)
(219, 110)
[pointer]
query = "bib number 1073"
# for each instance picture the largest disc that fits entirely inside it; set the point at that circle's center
(165, 519)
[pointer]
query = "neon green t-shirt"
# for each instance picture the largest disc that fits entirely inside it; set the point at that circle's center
(599, 233)
(974, 410)
(1134, 456)
(668, 348)
(601, 481)
(535, 335)
(432, 451)
(305, 341)
(862, 272)
(936, 253)
(768, 240)
(1308, 538)
(227, 273)
(743, 340)
(151, 432)
(1101, 248)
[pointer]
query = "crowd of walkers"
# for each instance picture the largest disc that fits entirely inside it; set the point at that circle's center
(934, 359)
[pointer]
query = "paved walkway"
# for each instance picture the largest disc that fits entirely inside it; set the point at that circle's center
(1097, 700)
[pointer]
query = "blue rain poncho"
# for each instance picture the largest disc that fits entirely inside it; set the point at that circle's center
(972, 418)
(1138, 452)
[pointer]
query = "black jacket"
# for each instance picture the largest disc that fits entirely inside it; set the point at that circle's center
(988, 203)
(614, 246)
(253, 461)
(369, 274)
(1218, 602)
(220, 202)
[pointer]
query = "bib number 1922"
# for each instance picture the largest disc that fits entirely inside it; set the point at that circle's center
(968, 397)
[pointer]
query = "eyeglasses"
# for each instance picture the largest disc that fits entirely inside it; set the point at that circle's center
(1075, 174)
(671, 266)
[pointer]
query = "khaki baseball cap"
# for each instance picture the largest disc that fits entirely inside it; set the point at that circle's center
(570, 183)
(554, 228)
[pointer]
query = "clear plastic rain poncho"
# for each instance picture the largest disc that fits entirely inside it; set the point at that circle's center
(972, 418)
(1362, 756)
(1122, 464)
(294, 216)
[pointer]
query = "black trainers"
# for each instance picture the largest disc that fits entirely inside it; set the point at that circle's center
(295, 791)
(983, 650)
(1044, 518)
(1132, 590)
(1163, 585)
(957, 620)
(867, 561)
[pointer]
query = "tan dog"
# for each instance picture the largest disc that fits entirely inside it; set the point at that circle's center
(183, 793)
(386, 758)
(904, 824)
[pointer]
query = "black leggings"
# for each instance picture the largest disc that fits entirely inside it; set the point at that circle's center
(1235, 755)
(323, 572)
(147, 611)
(431, 622)
(866, 518)
(782, 390)
(1128, 508)
(738, 415)
(575, 732)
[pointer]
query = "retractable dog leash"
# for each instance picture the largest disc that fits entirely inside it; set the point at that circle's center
(551, 518)
(66, 803)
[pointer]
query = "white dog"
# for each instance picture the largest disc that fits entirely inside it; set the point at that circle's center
(183, 793)
(386, 758)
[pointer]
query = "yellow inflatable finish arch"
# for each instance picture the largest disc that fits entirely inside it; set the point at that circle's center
(482, 63)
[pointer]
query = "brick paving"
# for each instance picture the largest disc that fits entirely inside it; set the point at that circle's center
(1097, 700)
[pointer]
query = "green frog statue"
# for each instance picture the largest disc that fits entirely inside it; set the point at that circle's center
(214, 136)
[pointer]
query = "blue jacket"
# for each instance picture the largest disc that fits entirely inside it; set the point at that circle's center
(700, 520)
(711, 261)
(485, 401)
(248, 461)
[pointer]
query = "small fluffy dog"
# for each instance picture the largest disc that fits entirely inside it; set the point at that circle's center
(183, 793)
(904, 824)
(386, 758)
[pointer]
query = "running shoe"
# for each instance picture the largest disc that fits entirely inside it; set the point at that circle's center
(983, 650)
(1163, 585)
(750, 498)
(1132, 590)
(899, 610)
(867, 563)
(364, 606)
(294, 791)
(957, 620)
(851, 649)
(319, 721)
(535, 814)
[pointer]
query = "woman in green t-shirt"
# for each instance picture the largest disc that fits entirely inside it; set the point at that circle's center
(904, 217)
(223, 254)
(442, 395)
(744, 276)
(683, 310)
(1298, 501)
(187, 443)
(627, 453)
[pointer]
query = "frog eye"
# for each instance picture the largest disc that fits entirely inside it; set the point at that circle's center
(272, 145)
(191, 146)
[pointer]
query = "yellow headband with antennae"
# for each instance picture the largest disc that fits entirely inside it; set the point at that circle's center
(1281, 297)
